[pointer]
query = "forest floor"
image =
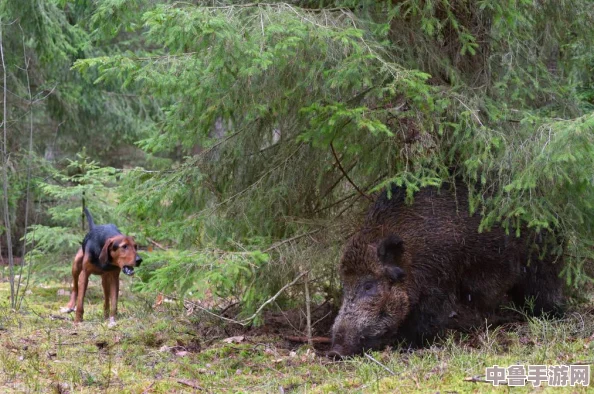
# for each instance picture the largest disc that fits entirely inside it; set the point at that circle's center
(164, 350)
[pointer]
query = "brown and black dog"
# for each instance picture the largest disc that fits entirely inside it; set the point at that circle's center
(105, 251)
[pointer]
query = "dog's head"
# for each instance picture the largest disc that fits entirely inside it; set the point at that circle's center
(122, 252)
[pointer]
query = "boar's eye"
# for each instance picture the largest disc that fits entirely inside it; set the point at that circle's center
(394, 274)
(369, 288)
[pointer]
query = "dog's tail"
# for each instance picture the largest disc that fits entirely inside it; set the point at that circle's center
(89, 219)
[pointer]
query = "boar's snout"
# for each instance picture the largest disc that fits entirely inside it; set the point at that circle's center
(342, 346)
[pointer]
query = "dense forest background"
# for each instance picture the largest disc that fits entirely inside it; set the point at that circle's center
(240, 142)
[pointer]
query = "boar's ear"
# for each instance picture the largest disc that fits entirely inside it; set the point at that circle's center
(390, 252)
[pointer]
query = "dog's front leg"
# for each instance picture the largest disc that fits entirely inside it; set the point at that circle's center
(110, 289)
(106, 283)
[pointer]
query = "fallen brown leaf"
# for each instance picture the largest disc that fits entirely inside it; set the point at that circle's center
(159, 300)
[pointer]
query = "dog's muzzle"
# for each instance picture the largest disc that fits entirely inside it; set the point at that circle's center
(128, 270)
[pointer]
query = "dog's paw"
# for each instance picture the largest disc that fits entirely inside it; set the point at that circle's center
(67, 310)
(112, 323)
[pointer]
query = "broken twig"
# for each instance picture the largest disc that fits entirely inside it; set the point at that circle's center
(189, 383)
(158, 245)
(478, 379)
(380, 364)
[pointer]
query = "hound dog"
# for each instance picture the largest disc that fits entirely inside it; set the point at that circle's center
(105, 251)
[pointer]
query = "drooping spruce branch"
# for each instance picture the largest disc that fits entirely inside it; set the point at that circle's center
(412, 93)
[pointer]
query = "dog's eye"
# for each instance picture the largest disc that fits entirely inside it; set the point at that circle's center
(125, 247)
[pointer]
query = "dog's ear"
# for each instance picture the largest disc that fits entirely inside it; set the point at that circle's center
(104, 257)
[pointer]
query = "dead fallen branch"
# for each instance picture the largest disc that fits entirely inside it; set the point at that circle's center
(190, 383)
(149, 388)
(591, 362)
(303, 339)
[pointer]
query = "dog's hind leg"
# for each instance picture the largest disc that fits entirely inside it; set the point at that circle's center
(83, 284)
(76, 268)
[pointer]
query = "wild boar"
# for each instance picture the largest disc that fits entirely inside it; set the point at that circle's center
(413, 271)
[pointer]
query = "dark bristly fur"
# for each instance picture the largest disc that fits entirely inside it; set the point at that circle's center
(415, 270)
